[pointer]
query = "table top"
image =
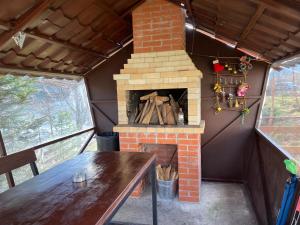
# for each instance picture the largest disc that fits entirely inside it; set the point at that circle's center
(53, 199)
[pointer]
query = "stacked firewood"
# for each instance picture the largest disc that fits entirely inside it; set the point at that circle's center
(154, 109)
(166, 172)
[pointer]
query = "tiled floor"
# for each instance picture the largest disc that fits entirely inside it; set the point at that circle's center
(221, 204)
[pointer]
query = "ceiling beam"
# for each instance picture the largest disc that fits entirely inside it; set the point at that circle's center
(68, 45)
(189, 10)
(283, 41)
(102, 4)
(24, 20)
(132, 7)
(4, 25)
(24, 71)
(258, 13)
(279, 7)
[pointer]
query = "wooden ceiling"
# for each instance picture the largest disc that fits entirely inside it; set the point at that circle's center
(72, 36)
(270, 28)
(63, 36)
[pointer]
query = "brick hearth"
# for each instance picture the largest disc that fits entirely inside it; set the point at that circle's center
(189, 160)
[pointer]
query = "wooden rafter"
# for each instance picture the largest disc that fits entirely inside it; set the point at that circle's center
(283, 41)
(190, 11)
(68, 45)
(132, 7)
(102, 4)
(259, 11)
(279, 7)
(219, 11)
(60, 62)
(32, 72)
(4, 25)
(23, 21)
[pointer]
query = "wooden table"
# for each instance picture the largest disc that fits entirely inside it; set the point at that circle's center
(53, 199)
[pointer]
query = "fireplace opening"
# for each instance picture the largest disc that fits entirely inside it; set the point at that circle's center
(157, 107)
(166, 154)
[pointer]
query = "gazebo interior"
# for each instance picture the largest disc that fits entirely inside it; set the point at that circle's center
(202, 94)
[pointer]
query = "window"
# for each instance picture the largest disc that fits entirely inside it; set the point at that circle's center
(280, 115)
(34, 110)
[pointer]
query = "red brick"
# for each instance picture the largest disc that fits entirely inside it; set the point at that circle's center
(183, 193)
(183, 182)
(161, 135)
(189, 176)
(193, 148)
(122, 134)
(162, 141)
(142, 135)
(131, 135)
(123, 146)
(128, 140)
(171, 136)
(193, 193)
(188, 142)
(188, 199)
(194, 136)
(193, 171)
(182, 136)
(182, 147)
(152, 135)
(147, 140)
(133, 146)
(182, 153)
(189, 188)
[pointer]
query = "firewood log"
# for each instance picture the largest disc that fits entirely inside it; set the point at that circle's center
(162, 98)
(170, 115)
(160, 120)
(148, 96)
(144, 111)
(147, 118)
(164, 113)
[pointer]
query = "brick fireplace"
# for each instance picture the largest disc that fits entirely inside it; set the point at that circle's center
(161, 62)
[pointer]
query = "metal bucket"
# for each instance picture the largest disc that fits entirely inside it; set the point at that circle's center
(167, 189)
(107, 141)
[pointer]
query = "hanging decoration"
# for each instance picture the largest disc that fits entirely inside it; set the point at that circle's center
(230, 86)
(242, 89)
(217, 66)
(19, 38)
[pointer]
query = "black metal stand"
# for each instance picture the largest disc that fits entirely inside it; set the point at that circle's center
(154, 197)
(152, 173)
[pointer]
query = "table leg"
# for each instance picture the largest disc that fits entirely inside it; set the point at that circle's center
(154, 198)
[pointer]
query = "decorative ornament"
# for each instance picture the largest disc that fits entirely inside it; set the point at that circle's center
(218, 107)
(217, 88)
(230, 100)
(244, 112)
(245, 64)
(242, 89)
(236, 105)
(223, 95)
(19, 38)
(291, 166)
(217, 66)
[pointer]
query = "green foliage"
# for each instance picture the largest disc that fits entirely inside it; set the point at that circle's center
(36, 110)
(16, 89)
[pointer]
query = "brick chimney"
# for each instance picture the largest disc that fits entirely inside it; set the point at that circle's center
(160, 63)
(158, 25)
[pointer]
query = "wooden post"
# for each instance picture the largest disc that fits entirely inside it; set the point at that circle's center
(9, 176)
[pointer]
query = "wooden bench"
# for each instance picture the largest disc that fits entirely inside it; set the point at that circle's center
(17, 160)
